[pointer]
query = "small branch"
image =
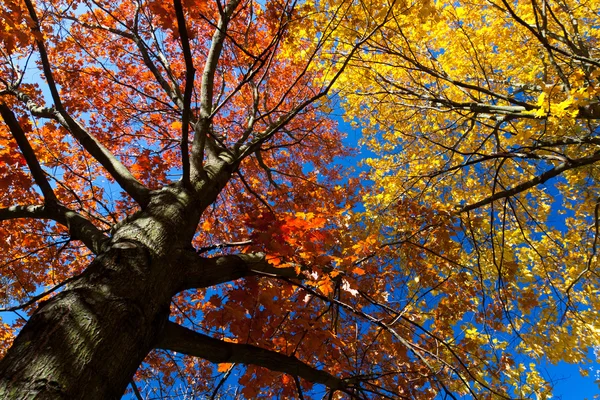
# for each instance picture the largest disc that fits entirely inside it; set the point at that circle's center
(39, 296)
(299, 388)
(171, 91)
(182, 340)
(416, 349)
(222, 246)
(264, 166)
(221, 382)
(253, 192)
(282, 121)
(550, 48)
(592, 256)
(538, 180)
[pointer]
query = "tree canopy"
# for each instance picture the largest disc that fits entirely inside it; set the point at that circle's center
(180, 216)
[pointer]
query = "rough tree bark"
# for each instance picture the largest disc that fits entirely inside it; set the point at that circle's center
(88, 341)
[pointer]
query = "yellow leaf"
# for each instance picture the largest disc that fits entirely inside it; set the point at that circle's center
(326, 286)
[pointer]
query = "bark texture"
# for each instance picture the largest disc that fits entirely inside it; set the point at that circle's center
(88, 341)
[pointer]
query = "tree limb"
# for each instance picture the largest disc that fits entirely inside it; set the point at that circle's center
(32, 211)
(203, 272)
(206, 92)
(538, 180)
(189, 87)
(32, 162)
(80, 228)
(183, 340)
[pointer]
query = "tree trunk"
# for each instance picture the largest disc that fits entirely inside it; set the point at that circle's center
(88, 341)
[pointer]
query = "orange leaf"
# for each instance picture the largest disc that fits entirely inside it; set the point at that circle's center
(326, 286)
(224, 367)
(286, 379)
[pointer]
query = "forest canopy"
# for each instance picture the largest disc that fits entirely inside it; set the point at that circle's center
(182, 215)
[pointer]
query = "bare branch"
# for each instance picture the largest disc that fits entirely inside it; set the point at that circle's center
(34, 299)
(182, 340)
(538, 180)
(282, 121)
(544, 41)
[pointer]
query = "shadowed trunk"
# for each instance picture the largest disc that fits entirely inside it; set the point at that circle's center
(88, 341)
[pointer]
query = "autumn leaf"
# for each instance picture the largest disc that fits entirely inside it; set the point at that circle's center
(224, 367)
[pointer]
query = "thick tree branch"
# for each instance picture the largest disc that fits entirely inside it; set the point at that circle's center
(80, 228)
(538, 180)
(34, 166)
(32, 211)
(118, 171)
(203, 272)
(189, 87)
(202, 128)
(182, 340)
(35, 109)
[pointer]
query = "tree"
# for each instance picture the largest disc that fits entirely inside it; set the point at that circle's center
(188, 228)
(128, 182)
